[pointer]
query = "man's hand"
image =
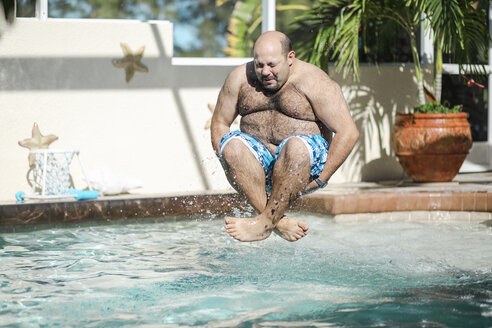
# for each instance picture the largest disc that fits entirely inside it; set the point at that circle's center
(311, 186)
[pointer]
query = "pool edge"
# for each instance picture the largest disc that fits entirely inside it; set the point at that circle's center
(145, 206)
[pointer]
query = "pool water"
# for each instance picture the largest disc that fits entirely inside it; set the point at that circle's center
(175, 272)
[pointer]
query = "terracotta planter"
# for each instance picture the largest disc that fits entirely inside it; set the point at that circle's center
(431, 147)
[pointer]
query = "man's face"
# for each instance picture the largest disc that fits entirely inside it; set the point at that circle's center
(272, 66)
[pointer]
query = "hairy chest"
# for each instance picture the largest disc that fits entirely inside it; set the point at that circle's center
(288, 101)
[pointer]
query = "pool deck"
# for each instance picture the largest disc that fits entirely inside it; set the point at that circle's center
(467, 197)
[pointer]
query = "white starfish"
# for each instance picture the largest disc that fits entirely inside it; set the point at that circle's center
(37, 141)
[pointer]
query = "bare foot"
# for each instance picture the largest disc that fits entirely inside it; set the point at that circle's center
(291, 229)
(248, 229)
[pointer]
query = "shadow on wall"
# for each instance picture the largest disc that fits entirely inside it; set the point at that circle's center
(62, 73)
(32, 72)
(374, 101)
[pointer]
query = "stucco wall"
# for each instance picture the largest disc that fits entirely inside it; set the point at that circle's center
(59, 73)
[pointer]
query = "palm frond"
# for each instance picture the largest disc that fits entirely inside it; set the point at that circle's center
(331, 31)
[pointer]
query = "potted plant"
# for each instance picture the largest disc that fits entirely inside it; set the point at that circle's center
(432, 143)
(332, 31)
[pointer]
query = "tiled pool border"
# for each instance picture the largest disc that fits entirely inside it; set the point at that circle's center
(343, 206)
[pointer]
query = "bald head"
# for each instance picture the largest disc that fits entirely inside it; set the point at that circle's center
(274, 39)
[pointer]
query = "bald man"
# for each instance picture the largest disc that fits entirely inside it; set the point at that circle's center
(295, 131)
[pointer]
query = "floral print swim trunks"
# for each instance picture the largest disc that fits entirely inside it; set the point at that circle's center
(316, 145)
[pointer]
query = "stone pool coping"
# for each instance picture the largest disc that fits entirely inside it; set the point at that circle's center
(467, 197)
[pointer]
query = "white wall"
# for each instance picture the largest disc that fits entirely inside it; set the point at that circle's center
(59, 73)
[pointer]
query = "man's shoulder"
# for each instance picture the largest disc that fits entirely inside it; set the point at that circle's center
(238, 74)
(305, 67)
(309, 76)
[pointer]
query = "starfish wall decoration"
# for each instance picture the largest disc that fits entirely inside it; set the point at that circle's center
(37, 141)
(131, 62)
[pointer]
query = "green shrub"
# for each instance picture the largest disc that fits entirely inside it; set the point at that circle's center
(436, 107)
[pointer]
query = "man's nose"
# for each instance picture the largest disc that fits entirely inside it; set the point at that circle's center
(265, 71)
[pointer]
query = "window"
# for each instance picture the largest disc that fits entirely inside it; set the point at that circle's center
(202, 28)
(473, 98)
(26, 8)
(213, 28)
(199, 26)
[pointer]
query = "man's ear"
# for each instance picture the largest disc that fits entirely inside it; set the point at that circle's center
(291, 56)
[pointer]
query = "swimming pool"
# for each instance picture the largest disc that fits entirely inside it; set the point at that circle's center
(186, 271)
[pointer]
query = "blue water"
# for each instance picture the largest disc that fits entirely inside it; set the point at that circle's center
(190, 273)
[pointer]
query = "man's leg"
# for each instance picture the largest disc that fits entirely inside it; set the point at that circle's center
(245, 173)
(290, 176)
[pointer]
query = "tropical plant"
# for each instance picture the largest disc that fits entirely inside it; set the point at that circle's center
(245, 23)
(332, 30)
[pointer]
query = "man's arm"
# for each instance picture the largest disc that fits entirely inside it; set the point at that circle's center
(331, 109)
(225, 111)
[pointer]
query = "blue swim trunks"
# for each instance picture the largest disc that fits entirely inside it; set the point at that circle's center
(316, 145)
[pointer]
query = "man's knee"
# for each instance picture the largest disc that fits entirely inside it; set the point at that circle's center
(233, 150)
(295, 148)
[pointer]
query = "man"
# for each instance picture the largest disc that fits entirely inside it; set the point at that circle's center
(289, 110)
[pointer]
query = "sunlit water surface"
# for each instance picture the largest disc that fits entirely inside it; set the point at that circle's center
(190, 273)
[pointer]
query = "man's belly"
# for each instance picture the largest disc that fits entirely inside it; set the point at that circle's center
(271, 127)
